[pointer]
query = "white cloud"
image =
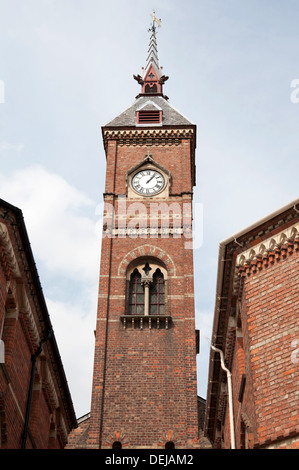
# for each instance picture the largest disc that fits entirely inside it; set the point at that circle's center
(74, 331)
(7, 146)
(61, 237)
(204, 321)
(67, 246)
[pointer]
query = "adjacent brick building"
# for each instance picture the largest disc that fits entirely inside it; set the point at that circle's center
(256, 328)
(36, 410)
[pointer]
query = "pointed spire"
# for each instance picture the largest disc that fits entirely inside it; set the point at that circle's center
(152, 77)
(152, 51)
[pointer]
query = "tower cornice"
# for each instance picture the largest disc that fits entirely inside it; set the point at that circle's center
(148, 136)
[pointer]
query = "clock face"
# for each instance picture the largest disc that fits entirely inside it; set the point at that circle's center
(148, 182)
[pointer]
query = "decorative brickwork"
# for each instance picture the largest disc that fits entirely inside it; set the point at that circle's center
(147, 251)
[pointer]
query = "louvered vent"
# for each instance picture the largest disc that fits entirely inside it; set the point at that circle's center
(149, 117)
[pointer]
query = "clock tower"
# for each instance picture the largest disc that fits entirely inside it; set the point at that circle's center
(144, 393)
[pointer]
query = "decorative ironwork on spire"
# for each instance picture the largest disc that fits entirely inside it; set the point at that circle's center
(152, 77)
(155, 20)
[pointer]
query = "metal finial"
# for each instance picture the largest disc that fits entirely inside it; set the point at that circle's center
(155, 20)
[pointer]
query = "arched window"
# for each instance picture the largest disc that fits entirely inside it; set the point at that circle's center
(146, 289)
(116, 445)
(136, 294)
(170, 445)
(151, 89)
(157, 294)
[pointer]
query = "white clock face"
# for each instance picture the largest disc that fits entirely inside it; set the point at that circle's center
(148, 182)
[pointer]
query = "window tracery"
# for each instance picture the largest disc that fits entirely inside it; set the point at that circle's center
(146, 295)
(146, 290)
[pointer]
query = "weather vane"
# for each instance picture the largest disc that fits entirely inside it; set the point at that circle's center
(155, 20)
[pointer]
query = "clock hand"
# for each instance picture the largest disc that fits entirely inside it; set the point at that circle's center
(150, 179)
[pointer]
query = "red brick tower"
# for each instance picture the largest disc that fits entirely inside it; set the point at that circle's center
(144, 385)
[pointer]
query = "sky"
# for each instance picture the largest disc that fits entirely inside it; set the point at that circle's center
(66, 69)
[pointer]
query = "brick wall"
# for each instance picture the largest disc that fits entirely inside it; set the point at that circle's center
(145, 379)
(270, 311)
(267, 415)
(78, 438)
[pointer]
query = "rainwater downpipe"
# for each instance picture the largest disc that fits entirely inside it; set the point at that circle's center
(230, 397)
(33, 360)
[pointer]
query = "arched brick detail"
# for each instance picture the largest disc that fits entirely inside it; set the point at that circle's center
(168, 436)
(147, 250)
(116, 436)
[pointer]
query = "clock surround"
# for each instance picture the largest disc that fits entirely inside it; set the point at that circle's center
(148, 182)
